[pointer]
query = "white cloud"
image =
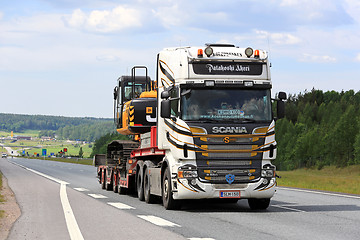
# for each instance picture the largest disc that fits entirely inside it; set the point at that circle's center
(279, 38)
(317, 59)
(170, 16)
(105, 21)
(1, 15)
(357, 58)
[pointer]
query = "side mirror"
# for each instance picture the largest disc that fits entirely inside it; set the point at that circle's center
(282, 95)
(165, 111)
(116, 92)
(165, 95)
(280, 109)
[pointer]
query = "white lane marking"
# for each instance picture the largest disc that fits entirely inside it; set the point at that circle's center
(323, 193)
(82, 189)
(120, 205)
(71, 223)
(158, 221)
(287, 208)
(41, 174)
(73, 227)
(97, 195)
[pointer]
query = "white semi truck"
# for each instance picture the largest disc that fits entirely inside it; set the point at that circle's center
(203, 130)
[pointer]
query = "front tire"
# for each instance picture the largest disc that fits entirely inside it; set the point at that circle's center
(259, 203)
(168, 201)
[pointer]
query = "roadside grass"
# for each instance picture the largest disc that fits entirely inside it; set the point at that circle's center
(2, 212)
(330, 178)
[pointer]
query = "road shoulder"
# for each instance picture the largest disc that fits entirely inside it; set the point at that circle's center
(11, 208)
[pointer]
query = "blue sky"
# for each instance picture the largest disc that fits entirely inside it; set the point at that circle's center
(62, 57)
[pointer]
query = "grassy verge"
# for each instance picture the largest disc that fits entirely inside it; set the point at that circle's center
(344, 180)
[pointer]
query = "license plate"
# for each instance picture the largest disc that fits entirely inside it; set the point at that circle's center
(229, 194)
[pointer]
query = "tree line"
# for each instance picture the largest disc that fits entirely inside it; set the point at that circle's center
(84, 129)
(320, 128)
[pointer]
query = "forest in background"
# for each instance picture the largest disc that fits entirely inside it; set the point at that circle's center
(84, 129)
(320, 129)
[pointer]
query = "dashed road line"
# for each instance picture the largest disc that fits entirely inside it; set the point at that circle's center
(82, 189)
(98, 196)
(121, 206)
(158, 221)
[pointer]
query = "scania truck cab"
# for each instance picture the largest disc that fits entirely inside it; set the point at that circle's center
(216, 123)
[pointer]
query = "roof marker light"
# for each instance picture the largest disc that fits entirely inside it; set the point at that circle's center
(200, 53)
(249, 52)
(257, 54)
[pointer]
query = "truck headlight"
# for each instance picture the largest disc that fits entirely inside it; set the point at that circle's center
(187, 173)
(267, 173)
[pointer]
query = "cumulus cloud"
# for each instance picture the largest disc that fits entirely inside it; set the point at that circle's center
(105, 21)
(317, 59)
(279, 38)
(357, 58)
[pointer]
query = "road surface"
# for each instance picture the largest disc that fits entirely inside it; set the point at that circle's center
(65, 201)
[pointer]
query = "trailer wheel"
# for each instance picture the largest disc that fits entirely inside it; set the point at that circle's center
(116, 182)
(168, 201)
(259, 204)
(147, 194)
(102, 178)
(108, 186)
(140, 184)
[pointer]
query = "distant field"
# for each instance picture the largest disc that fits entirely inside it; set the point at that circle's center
(35, 146)
(344, 180)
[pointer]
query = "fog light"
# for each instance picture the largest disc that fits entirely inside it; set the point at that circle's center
(268, 173)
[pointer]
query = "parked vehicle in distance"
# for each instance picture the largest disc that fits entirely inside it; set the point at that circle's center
(4, 155)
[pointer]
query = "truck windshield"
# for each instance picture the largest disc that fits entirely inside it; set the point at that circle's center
(226, 105)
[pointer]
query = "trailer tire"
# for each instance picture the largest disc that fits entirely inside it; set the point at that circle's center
(122, 190)
(259, 203)
(108, 186)
(102, 178)
(116, 183)
(168, 200)
(149, 198)
(140, 184)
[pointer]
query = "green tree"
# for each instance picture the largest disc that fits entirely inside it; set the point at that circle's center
(81, 153)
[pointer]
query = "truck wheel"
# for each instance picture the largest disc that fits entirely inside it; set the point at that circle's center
(122, 190)
(115, 183)
(102, 179)
(147, 195)
(259, 204)
(108, 186)
(168, 201)
(140, 185)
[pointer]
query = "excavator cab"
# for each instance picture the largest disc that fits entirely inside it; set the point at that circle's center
(134, 103)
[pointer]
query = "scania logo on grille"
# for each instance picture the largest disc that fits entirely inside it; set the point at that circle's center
(229, 130)
(230, 178)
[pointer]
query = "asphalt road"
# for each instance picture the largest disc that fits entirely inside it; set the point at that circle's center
(65, 201)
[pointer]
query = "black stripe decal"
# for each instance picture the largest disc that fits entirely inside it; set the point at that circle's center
(166, 73)
(173, 127)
